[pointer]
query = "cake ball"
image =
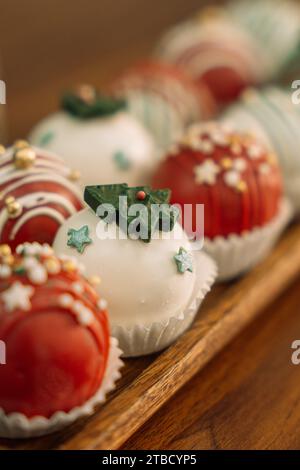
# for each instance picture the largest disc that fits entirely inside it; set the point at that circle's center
(99, 137)
(153, 280)
(164, 99)
(36, 194)
(238, 182)
(213, 49)
(60, 359)
(271, 114)
(275, 26)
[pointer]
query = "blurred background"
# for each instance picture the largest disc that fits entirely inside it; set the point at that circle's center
(49, 45)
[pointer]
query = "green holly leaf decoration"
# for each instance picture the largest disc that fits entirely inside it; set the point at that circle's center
(154, 212)
(86, 103)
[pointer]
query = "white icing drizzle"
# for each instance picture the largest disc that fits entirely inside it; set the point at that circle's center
(34, 213)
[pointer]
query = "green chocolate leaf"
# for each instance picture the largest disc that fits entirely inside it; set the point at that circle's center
(152, 212)
(99, 106)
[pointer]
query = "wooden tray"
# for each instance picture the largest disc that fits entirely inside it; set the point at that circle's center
(148, 382)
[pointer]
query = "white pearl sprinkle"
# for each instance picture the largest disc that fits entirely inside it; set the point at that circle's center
(254, 151)
(38, 274)
(85, 317)
(77, 288)
(232, 178)
(264, 169)
(240, 164)
(65, 300)
(102, 304)
(5, 271)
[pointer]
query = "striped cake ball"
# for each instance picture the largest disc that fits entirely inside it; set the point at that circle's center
(271, 114)
(36, 194)
(212, 48)
(164, 98)
(275, 26)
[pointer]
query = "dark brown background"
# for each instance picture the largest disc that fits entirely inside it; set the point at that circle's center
(48, 45)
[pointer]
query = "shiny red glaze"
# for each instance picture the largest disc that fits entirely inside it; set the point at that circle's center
(227, 211)
(53, 363)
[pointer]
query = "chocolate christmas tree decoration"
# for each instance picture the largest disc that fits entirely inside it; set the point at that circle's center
(153, 209)
(77, 104)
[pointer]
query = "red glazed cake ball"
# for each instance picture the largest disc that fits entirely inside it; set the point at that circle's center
(36, 195)
(232, 174)
(56, 332)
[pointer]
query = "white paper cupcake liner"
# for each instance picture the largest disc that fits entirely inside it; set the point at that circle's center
(140, 340)
(292, 189)
(17, 425)
(236, 254)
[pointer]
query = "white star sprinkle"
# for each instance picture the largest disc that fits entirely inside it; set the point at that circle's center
(17, 297)
(206, 172)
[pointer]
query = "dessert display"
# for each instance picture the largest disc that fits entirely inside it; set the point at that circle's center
(61, 361)
(99, 137)
(239, 183)
(152, 277)
(164, 99)
(97, 261)
(271, 114)
(36, 194)
(214, 49)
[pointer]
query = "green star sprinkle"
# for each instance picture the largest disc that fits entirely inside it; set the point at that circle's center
(79, 238)
(121, 160)
(46, 138)
(184, 261)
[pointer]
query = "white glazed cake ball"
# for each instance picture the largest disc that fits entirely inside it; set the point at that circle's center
(139, 280)
(153, 286)
(105, 145)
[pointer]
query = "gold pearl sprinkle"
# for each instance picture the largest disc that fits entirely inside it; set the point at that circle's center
(94, 280)
(24, 158)
(74, 175)
(21, 144)
(5, 250)
(86, 93)
(13, 207)
(272, 159)
(242, 186)
(226, 163)
(8, 260)
(68, 266)
(2, 149)
(52, 265)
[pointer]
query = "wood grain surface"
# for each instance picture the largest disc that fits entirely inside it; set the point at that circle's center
(248, 397)
(149, 382)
